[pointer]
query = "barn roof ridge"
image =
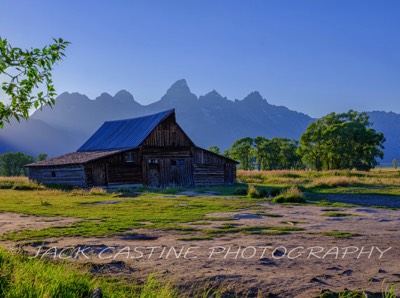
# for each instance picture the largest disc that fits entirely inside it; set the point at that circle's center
(124, 133)
(145, 116)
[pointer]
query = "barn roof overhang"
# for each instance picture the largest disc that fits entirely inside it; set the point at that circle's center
(75, 158)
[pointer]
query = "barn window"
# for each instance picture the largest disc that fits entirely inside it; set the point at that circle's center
(53, 173)
(178, 163)
(129, 157)
(153, 161)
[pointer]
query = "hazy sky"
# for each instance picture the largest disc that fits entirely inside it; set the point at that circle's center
(312, 56)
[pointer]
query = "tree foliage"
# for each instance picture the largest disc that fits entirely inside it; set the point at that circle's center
(395, 163)
(41, 156)
(12, 163)
(28, 75)
(241, 150)
(214, 149)
(263, 154)
(336, 141)
(341, 141)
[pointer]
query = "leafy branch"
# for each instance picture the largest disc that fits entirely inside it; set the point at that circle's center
(28, 76)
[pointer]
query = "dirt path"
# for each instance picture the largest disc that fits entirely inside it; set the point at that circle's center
(12, 222)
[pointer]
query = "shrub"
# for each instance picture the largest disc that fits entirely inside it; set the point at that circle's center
(253, 192)
(275, 192)
(290, 195)
(27, 185)
(6, 184)
(257, 192)
(60, 187)
(240, 191)
(264, 193)
(79, 192)
(97, 191)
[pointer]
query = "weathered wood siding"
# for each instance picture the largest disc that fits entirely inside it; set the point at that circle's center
(124, 174)
(167, 134)
(205, 175)
(116, 170)
(164, 167)
(230, 173)
(68, 175)
(212, 169)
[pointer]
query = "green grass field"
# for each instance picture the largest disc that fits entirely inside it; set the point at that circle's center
(101, 213)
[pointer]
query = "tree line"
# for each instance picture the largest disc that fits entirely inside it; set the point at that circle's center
(337, 141)
(13, 163)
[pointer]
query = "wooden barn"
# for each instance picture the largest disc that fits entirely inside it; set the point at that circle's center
(152, 150)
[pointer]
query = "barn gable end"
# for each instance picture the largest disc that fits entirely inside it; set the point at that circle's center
(167, 134)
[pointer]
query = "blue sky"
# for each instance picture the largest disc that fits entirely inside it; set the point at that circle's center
(312, 56)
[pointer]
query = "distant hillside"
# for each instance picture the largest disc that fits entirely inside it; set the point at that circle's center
(389, 124)
(210, 119)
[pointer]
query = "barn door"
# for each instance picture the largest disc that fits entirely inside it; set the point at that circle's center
(154, 175)
(99, 175)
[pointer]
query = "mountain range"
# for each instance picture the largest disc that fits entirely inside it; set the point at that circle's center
(209, 119)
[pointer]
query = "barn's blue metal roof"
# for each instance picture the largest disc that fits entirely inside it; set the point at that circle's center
(123, 134)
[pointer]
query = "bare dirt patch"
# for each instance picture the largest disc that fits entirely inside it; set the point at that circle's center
(138, 253)
(13, 222)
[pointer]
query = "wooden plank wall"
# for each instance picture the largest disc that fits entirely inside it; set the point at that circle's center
(167, 134)
(212, 169)
(117, 170)
(179, 174)
(201, 156)
(68, 175)
(230, 173)
(124, 173)
(207, 175)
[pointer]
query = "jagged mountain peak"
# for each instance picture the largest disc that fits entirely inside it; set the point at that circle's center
(213, 97)
(179, 86)
(214, 93)
(178, 92)
(254, 97)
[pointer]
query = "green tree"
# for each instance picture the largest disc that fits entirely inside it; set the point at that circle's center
(12, 163)
(341, 141)
(29, 78)
(288, 157)
(41, 156)
(241, 151)
(227, 153)
(260, 152)
(214, 149)
(311, 146)
(263, 154)
(395, 163)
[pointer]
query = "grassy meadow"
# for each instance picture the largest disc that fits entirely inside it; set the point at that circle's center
(383, 181)
(102, 213)
(186, 211)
